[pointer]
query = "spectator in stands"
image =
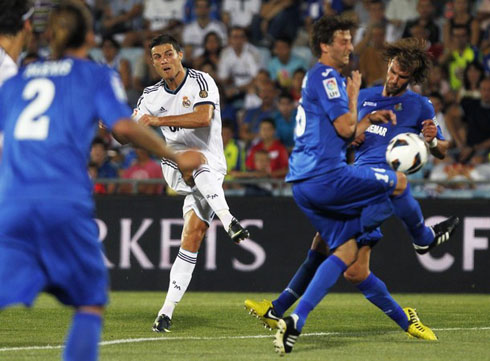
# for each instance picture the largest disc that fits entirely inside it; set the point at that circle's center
(238, 65)
(194, 32)
(297, 83)
(268, 141)
(252, 98)
(399, 12)
(435, 50)
(437, 82)
(284, 62)
(163, 17)
(143, 168)
(211, 51)
(190, 10)
(239, 12)
(473, 75)
(99, 188)
(458, 55)
(285, 120)
(276, 18)
(376, 16)
(261, 170)
(371, 63)
(477, 119)
(249, 127)
(123, 19)
(461, 18)
(112, 58)
(234, 152)
(105, 169)
(426, 19)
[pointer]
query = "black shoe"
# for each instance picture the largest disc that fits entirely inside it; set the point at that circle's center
(237, 232)
(162, 324)
(442, 231)
(287, 335)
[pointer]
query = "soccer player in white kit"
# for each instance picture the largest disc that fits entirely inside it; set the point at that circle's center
(185, 105)
(15, 28)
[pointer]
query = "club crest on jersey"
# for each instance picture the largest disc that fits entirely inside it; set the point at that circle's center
(331, 88)
(203, 94)
(398, 107)
(186, 102)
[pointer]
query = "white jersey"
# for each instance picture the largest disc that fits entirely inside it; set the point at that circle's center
(8, 67)
(197, 88)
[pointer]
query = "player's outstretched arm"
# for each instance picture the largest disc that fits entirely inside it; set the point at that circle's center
(145, 138)
(199, 118)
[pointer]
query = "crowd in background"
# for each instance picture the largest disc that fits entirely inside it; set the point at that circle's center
(257, 52)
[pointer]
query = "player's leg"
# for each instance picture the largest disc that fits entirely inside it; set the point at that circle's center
(424, 237)
(183, 267)
(210, 185)
(84, 334)
(325, 277)
(270, 312)
(377, 293)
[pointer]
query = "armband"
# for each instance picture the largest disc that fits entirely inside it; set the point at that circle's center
(433, 143)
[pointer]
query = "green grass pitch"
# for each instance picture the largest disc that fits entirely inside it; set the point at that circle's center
(215, 326)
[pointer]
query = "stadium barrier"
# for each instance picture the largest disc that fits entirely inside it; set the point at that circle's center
(141, 235)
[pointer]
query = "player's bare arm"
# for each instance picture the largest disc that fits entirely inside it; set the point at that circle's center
(438, 148)
(345, 125)
(199, 118)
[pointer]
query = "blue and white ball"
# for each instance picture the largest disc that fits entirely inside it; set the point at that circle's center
(407, 153)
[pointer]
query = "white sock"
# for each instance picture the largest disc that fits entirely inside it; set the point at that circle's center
(180, 277)
(213, 192)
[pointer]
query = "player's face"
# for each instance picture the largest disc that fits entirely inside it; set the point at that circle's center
(341, 48)
(396, 79)
(166, 60)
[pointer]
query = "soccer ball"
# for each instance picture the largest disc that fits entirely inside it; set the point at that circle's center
(407, 153)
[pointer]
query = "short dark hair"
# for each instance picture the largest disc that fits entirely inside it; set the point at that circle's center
(100, 141)
(165, 39)
(324, 29)
(11, 15)
(270, 121)
(412, 57)
(112, 40)
(284, 39)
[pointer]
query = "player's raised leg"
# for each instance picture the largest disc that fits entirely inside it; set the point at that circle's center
(211, 188)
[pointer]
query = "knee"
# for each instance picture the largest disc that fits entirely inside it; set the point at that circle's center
(401, 183)
(194, 235)
(355, 275)
(95, 310)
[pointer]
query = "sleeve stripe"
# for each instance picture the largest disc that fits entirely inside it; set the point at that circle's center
(203, 84)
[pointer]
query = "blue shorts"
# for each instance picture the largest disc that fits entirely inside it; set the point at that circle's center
(50, 247)
(347, 202)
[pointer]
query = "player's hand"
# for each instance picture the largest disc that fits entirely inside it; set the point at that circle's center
(149, 120)
(358, 140)
(189, 160)
(429, 130)
(382, 117)
(354, 84)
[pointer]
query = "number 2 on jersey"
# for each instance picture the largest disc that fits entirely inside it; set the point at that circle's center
(32, 123)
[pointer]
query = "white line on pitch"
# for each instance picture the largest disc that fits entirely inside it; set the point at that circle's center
(150, 339)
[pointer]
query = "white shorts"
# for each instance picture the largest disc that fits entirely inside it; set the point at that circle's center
(194, 199)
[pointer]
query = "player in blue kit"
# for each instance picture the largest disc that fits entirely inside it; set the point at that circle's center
(341, 201)
(49, 113)
(408, 63)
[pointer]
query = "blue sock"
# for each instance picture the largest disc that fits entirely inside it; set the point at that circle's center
(325, 277)
(299, 282)
(376, 292)
(409, 211)
(83, 340)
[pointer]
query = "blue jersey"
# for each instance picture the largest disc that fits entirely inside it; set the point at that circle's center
(318, 148)
(411, 110)
(49, 114)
